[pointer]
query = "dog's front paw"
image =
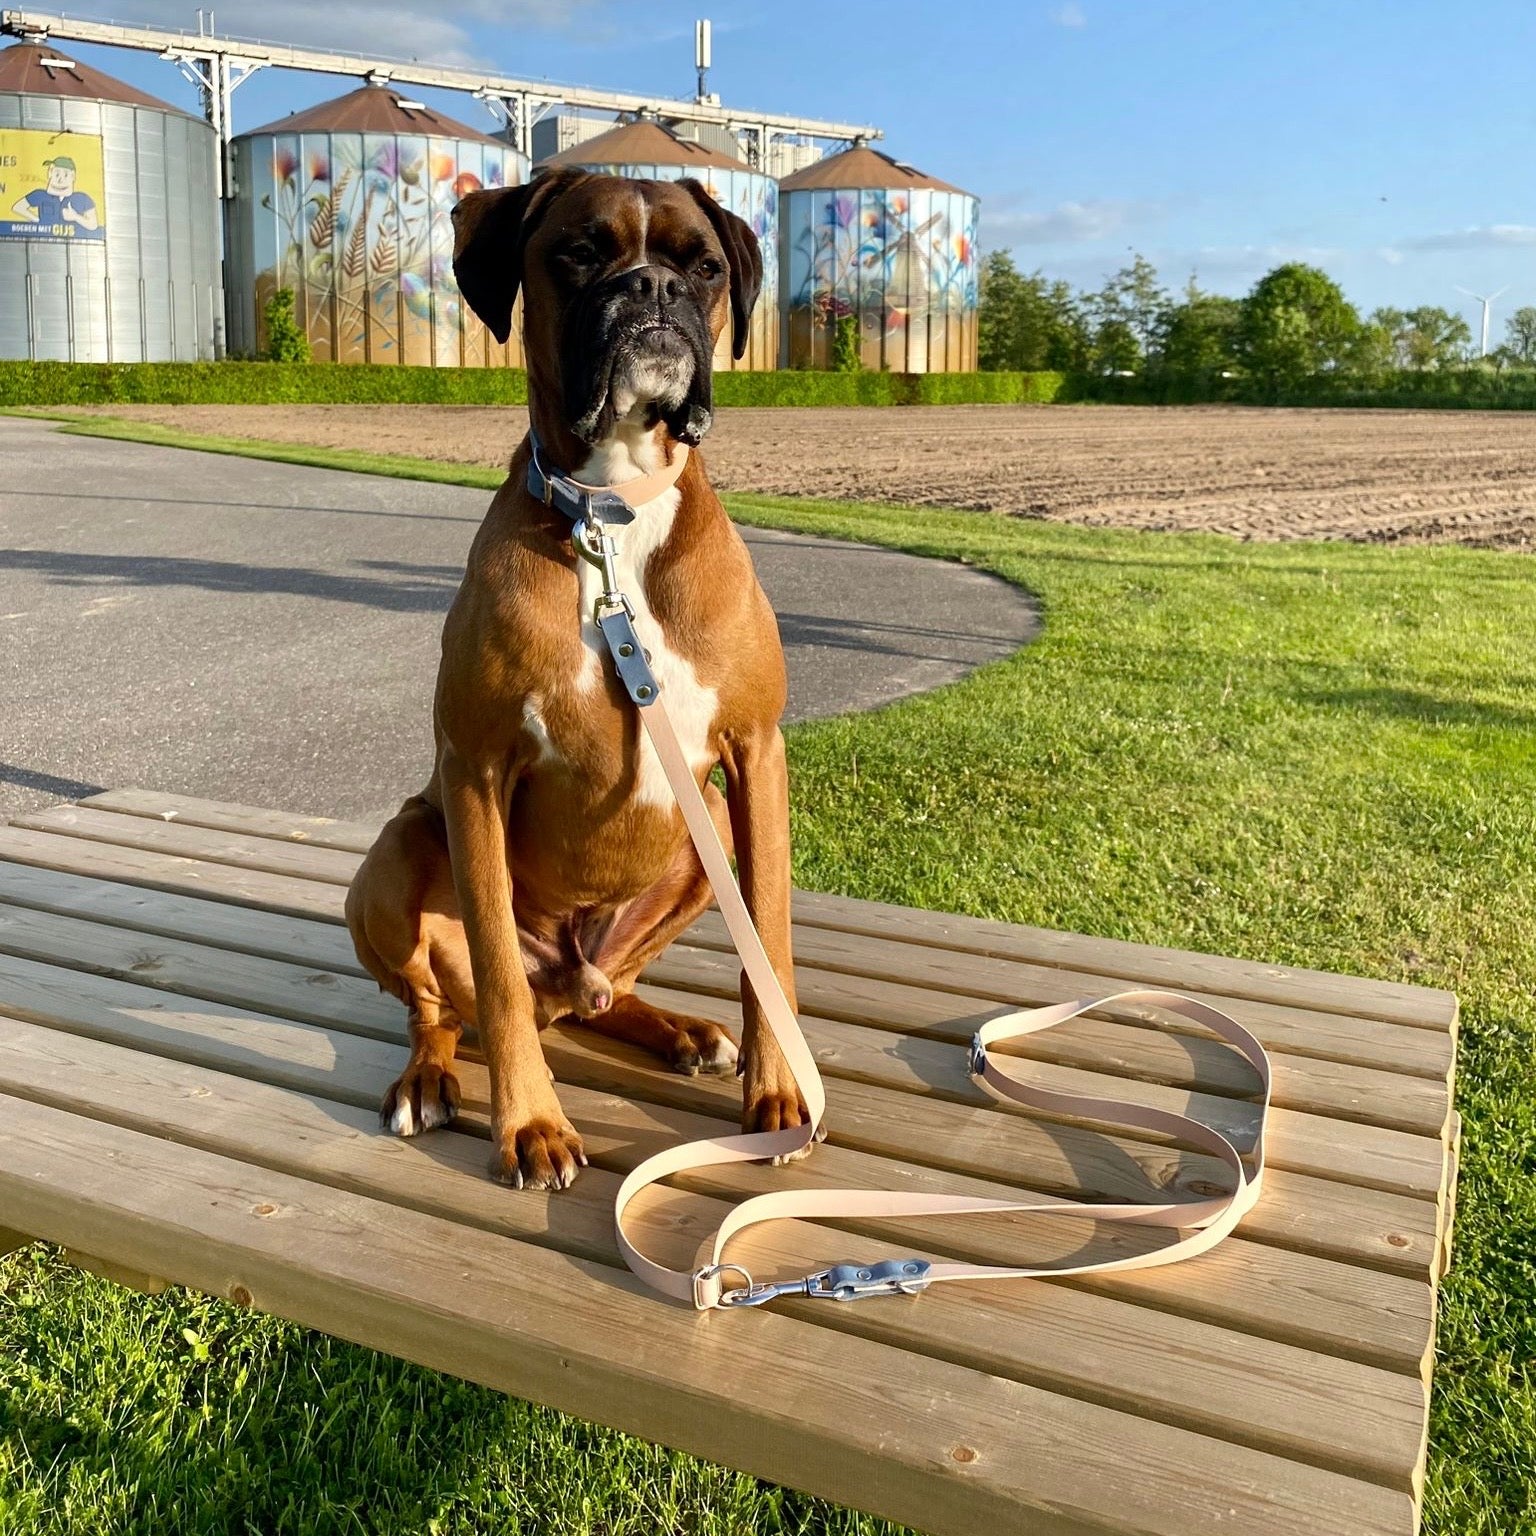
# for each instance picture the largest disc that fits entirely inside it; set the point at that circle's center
(775, 1105)
(543, 1153)
(422, 1097)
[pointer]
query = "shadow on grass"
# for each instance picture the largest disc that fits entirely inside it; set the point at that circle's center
(1428, 708)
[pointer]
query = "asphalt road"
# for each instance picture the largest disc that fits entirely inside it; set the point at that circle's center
(241, 630)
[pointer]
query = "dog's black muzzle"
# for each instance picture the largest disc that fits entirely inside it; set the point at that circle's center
(646, 322)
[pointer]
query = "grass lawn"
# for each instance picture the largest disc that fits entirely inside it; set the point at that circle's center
(1320, 755)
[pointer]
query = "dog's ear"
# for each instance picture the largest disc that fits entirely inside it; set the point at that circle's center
(490, 232)
(742, 254)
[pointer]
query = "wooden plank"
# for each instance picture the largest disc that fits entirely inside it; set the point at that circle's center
(916, 1439)
(831, 994)
(1395, 1002)
(171, 872)
(144, 909)
(1355, 1154)
(1254, 1392)
(1348, 1092)
(1289, 986)
(1008, 982)
(119, 1274)
(1381, 1327)
(1058, 1159)
(1375, 1318)
(261, 853)
(1359, 1226)
(1448, 1202)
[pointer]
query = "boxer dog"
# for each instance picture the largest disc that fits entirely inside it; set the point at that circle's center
(546, 864)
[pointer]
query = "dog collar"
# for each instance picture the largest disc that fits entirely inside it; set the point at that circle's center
(581, 503)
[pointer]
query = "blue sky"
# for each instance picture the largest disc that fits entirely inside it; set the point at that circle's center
(1390, 143)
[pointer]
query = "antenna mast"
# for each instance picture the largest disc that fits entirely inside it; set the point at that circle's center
(701, 57)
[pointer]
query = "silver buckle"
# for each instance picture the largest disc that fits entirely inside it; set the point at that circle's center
(842, 1282)
(978, 1056)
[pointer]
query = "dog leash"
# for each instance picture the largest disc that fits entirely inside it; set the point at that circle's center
(1205, 1222)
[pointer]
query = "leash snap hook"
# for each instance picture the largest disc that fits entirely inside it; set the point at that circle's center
(853, 1282)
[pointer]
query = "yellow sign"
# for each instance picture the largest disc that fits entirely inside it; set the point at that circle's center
(51, 186)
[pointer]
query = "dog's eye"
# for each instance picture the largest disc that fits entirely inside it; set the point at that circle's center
(580, 253)
(709, 269)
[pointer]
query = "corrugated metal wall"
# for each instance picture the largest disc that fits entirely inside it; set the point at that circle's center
(148, 292)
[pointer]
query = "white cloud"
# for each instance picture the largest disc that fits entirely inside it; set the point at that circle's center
(1391, 255)
(1069, 15)
(391, 29)
(1475, 237)
(1067, 224)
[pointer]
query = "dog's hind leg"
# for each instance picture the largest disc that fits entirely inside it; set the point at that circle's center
(687, 1044)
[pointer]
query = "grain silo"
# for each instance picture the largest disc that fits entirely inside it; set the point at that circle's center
(883, 254)
(649, 151)
(349, 205)
(108, 221)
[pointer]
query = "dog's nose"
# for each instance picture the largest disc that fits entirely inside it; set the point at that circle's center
(647, 283)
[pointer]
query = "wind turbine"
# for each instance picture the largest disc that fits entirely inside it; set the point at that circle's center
(1487, 302)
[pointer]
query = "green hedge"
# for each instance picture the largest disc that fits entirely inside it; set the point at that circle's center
(23, 383)
(43, 384)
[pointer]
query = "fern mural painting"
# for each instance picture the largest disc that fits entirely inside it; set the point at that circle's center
(881, 258)
(349, 205)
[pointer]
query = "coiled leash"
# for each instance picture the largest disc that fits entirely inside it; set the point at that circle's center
(1205, 1222)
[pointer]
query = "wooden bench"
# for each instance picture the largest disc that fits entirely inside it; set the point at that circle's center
(191, 1060)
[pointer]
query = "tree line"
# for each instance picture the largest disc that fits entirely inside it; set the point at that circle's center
(1293, 325)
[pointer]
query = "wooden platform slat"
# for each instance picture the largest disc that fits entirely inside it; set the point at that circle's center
(1391, 1228)
(1365, 1094)
(1260, 1393)
(1394, 1002)
(178, 999)
(1384, 1159)
(1277, 1293)
(851, 997)
(919, 1439)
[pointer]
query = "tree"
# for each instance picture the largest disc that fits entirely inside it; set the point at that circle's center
(1520, 334)
(1129, 315)
(1296, 322)
(286, 342)
(1025, 322)
(1199, 338)
(1422, 338)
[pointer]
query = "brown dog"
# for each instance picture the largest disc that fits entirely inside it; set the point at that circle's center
(546, 862)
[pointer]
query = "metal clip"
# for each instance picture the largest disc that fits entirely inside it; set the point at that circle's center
(978, 1056)
(842, 1282)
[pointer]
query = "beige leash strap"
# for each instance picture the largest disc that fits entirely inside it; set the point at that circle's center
(1206, 1222)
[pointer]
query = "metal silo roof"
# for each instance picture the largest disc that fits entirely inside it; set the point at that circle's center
(24, 68)
(862, 167)
(643, 142)
(374, 109)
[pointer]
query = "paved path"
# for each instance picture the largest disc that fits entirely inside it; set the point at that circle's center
(243, 630)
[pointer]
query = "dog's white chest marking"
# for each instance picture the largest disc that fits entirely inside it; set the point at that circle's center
(629, 454)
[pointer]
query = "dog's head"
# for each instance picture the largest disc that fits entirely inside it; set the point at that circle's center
(627, 286)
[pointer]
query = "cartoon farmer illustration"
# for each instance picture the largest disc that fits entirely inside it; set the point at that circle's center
(58, 203)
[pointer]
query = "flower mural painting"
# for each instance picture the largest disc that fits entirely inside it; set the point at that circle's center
(354, 212)
(868, 237)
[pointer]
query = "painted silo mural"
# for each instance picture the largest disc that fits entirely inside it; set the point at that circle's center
(350, 206)
(648, 151)
(877, 250)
